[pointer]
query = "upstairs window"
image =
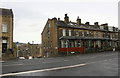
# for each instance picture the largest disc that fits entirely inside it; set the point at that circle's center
(110, 28)
(4, 27)
(83, 33)
(101, 27)
(49, 25)
(88, 32)
(96, 34)
(77, 33)
(80, 32)
(64, 32)
(101, 35)
(69, 32)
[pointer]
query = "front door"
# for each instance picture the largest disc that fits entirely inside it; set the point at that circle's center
(4, 47)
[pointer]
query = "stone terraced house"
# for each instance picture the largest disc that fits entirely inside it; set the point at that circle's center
(66, 37)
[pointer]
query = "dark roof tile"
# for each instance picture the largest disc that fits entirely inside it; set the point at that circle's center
(6, 12)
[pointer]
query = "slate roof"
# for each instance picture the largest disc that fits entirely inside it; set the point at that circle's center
(62, 23)
(6, 12)
(82, 26)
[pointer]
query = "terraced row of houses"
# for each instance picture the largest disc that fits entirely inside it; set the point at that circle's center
(65, 37)
(59, 37)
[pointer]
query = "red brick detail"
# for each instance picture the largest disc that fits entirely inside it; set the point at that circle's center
(73, 49)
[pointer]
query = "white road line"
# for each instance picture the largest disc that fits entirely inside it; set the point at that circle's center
(57, 68)
(65, 60)
(1, 61)
(12, 65)
(34, 71)
(105, 60)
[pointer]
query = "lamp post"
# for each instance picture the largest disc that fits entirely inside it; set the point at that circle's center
(67, 46)
(17, 43)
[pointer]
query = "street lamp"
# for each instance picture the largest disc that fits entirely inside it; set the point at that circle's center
(17, 43)
(67, 46)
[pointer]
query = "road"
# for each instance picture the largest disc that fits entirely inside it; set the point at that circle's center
(92, 64)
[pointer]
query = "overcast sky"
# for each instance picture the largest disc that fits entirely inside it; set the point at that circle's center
(30, 16)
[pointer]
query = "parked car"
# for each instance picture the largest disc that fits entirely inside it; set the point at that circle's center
(30, 57)
(21, 58)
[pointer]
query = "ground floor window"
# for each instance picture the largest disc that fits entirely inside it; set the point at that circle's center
(98, 44)
(70, 43)
(78, 43)
(87, 44)
(64, 43)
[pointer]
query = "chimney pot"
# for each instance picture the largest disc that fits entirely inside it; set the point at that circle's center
(87, 23)
(96, 23)
(78, 21)
(106, 24)
(65, 15)
(66, 19)
(58, 18)
(54, 18)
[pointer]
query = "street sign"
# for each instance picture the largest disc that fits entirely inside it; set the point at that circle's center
(17, 43)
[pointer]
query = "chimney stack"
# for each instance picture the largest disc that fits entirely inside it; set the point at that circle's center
(87, 23)
(66, 19)
(106, 24)
(54, 19)
(96, 23)
(58, 18)
(78, 21)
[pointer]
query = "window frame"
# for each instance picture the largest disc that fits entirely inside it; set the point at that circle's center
(4, 27)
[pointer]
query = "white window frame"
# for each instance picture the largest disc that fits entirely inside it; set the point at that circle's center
(75, 43)
(88, 32)
(70, 33)
(101, 27)
(64, 32)
(79, 42)
(5, 27)
(49, 25)
(4, 41)
(99, 43)
(83, 33)
(66, 44)
(77, 33)
(62, 44)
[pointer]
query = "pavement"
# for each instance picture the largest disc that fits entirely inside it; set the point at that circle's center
(92, 64)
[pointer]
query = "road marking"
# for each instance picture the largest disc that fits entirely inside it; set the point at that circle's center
(57, 68)
(105, 60)
(12, 65)
(34, 71)
(65, 60)
(1, 61)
